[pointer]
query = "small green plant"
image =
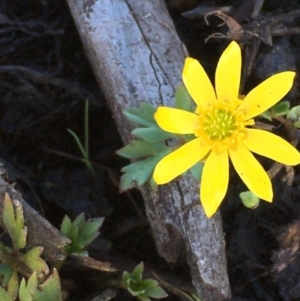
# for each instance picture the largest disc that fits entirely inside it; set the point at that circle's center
(18, 260)
(81, 233)
(149, 145)
(249, 199)
(84, 147)
(143, 289)
(49, 290)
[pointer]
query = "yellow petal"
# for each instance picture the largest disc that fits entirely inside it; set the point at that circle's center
(197, 82)
(179, 161)
(267, 94)
(175, 120)
(228, 73)
(251, 172)
(214, 181)
(271, 146)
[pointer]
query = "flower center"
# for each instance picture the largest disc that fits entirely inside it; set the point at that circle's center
(221, 125)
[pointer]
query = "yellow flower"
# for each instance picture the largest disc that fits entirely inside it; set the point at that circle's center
(220, 128)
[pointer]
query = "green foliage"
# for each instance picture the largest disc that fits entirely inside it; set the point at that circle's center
(196, 170)
(84, 148)
(14, 223)
(33, 260)
(249, 199)
(81, 232)
(23, 261)
(6, 273)
(142, 289)
(9, 292)
(147, 150)
(280, 109)
(144, 116)
(139, 149)
(48, 291)
(294, 116)
(150, 147)
(183, 100)
(138, 173)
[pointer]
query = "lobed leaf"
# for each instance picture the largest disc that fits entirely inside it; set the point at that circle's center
(13, 286)
(183, 100)
(281, 108)
(6, 273)
(138, 173)
(33, 260)
(90, 231)
(196, 170)
(81, 232)
(152, 134)
(4, 295)
(50, 290)
(144, 115)
(138, 149)
(137, 273)
(14, 223)
(156, 292)
(26, 291)
(66, 225)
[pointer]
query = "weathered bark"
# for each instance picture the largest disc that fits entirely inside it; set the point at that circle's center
(137, 56)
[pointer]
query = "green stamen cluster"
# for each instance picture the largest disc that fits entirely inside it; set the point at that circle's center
(219, 124)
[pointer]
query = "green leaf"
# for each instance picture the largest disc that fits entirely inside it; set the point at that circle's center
(183, 100)
(297, 124)
(138, 173)
(26, 291)
(143, 116)
(79, 221)
(9, 291)
(126, 276)
(50, 290)
(142, 289)
(148, 283)
(267, 115)
(89, 231)
(143, 297)
(66, 225)
(294, 113)
(152, 134)
(6, 273)
(13, 286)
(138, 149)
(281, 108)
(156, 292)
(153, 184)
(14, 222)
(33, 260)
(4, 295)
(81, 232)
(249, 199)
(196, 170)
(133, 289)
(137, 273)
